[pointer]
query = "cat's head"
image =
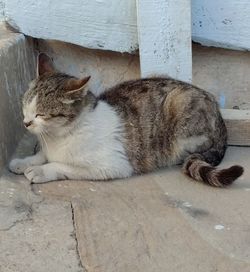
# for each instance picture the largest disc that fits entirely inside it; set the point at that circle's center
(53, 99)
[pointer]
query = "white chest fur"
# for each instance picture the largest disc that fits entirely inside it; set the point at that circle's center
(95, 142)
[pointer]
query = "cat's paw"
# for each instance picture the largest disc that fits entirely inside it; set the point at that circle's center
(40, 174)
(18, 166)
(35, 174)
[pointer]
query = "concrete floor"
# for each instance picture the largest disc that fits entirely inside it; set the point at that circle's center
(157, 222)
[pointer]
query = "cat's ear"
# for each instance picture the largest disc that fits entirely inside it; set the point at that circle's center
(44, 64)
(76, 89)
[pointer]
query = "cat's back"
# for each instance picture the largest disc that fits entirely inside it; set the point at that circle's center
(139, 91)
(155, 112)
(134, 95)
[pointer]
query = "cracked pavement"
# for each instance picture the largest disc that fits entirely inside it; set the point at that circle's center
(36, 234)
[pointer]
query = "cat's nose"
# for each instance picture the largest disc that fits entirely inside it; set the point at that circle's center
(27, 124)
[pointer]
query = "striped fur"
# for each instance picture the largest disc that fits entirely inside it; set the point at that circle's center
(132, 128)
(197, 168)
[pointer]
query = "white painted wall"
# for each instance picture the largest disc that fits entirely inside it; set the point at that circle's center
(221, 23)
(164, 38)
(100, 24)
(111, 24)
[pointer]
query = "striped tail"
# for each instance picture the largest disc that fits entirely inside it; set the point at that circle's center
(197, 168)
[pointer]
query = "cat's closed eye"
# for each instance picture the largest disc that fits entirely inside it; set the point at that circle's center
(39, 115)
(58, 115)
(51, 116)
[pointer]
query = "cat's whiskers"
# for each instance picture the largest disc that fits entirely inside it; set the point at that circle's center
(44, 140)
(46, 135)
(50, 136)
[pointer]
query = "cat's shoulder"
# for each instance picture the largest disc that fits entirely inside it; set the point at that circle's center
(142, 88)
(135, 87)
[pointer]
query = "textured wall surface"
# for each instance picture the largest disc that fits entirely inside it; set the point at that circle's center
(103, 24)
(112, 24)
(221, 23)
(164, 38)
(224, 73)
(1, 10)
(105, 68)
(16, 70)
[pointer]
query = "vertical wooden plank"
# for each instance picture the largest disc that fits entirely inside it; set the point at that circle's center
(164, 31)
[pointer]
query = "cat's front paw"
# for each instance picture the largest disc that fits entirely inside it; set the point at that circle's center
(35, 174)
(40, 174)
(18, 166)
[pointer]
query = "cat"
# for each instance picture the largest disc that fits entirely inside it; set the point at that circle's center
(131, 129)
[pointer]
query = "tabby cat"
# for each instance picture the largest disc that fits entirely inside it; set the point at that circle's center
(133, 128)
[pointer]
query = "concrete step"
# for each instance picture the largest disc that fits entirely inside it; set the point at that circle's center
(17, 68)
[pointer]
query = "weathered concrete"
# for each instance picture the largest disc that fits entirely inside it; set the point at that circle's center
(36, 234)
(17, 68)
(150, 223)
